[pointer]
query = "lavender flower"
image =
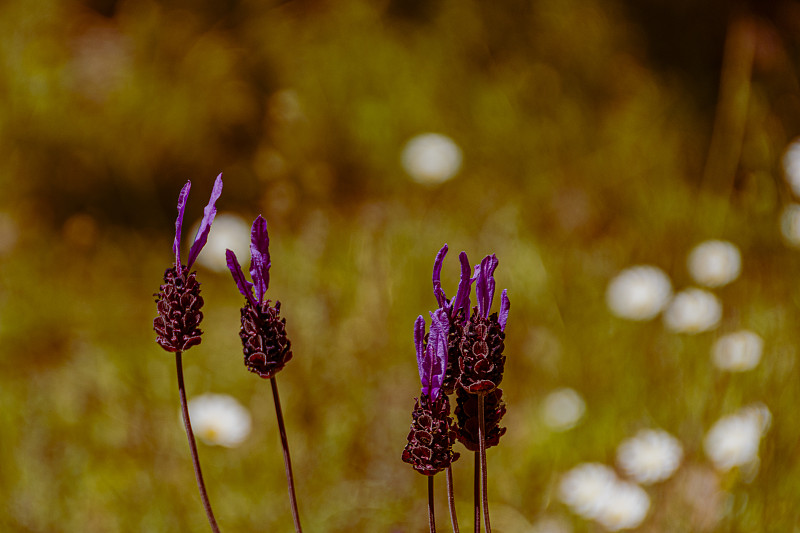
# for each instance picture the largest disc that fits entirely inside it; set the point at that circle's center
(482, 361)
(178, 300)
(456, 310)
(430, 441)
(265, 344)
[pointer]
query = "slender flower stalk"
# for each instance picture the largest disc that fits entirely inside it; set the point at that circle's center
(476, 491)
(431, 513)
(177, 324)
(451, 500)
(265, 344)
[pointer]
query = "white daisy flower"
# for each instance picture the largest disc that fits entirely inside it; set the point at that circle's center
(625, 508)
(652, 455)
(790, 225)
(715, 263)
(431, 158)
(737, 352)
(692, 311)
(791, 166)
(586, 489)
(562, 409)
(218, 419)
(734, 439)
(229, 232)
(639, 292)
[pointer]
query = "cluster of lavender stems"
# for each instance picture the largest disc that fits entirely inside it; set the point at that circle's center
(265, 344)
(463, 353)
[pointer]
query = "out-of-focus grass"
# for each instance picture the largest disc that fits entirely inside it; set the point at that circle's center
(580, 159)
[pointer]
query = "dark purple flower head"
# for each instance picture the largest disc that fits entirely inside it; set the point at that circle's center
(481, 362)
(264, 342)
(432, 355)
(178, 300)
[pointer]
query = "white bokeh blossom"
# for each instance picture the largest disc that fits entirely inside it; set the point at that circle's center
(693, 311)
(734, 439)
(715, 263)
(218, 419)
(593, 491)
(229, 232)
(791, 166)
(431, 158)
(639, 292)
(737, 352)
(625, 508)
(790, 225)
(562, 409)
(652, 455)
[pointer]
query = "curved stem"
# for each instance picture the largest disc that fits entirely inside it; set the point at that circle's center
(198, 474)
(484, 474)
(287, 461)
(431, 518)
(476, 491)
(451, 498)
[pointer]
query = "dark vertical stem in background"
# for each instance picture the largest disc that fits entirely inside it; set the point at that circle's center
(287, 461)
(484, 474)
(476, 491)
(431, 518)
(195, 460)
(451, 498)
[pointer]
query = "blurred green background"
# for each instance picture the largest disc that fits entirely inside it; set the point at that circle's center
(595, 135)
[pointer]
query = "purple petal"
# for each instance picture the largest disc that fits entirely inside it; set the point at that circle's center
(437, 277)
(259, 256)
(176, 245)
(209, 213)
(485, 285)
(437, 352)
(462, 296)
(505, 305)
(245, 287)
(419, 341)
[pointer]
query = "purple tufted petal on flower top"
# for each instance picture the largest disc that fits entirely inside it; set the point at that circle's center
(209, 213)
(419, 343)
(176, 245)
(485, 284)
(505, 305)
(245, 287)
(437, 277)
(461, 300)
(432, 356)
(259, 257)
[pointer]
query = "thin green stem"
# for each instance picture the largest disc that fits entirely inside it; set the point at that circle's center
(451, 498)
(198, 474)
(484, 474)
(431, 517)
(287, 461)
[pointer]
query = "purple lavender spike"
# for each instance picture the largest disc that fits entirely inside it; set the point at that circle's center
(437, 277)
(209, 212)
(419, 343)
(505, 305)
(245, 287)
(259, 257)
(176, 245)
